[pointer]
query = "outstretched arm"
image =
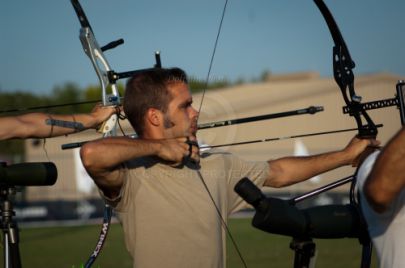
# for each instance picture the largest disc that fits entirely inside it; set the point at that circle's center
(387, 178)
(103, 158)
(289, 170)
(39, 125)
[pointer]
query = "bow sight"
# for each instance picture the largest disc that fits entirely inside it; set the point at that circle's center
(398, 100)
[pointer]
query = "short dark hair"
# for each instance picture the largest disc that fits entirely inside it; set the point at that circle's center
(149, 89)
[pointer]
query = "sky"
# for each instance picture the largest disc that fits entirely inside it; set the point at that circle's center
(40, 48)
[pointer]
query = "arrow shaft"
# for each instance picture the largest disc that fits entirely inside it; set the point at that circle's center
(283, 138)
(309, 110)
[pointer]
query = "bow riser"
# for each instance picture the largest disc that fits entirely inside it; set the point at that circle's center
(101, 66)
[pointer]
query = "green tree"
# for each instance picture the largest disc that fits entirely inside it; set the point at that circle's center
(67, 93)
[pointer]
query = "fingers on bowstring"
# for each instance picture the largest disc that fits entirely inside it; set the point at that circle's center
(189, 150)
(195, 156)
(193, 151)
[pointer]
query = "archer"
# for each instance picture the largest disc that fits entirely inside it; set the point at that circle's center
(172, 201)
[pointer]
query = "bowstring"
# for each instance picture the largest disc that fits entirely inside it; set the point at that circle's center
(223, 222)
(212, 58)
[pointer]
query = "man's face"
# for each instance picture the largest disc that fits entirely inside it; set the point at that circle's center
(181, 117)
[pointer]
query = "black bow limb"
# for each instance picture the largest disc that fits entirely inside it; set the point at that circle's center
(343, 74)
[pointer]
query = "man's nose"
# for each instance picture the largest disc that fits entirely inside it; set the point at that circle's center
(194, 112)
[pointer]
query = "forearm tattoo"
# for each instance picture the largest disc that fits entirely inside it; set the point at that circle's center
(66, 124)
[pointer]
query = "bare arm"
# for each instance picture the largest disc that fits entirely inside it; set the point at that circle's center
(289, 170)
(387, 178)
(103, 158)
(34, 125)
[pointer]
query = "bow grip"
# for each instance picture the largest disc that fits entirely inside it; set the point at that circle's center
(108, 125)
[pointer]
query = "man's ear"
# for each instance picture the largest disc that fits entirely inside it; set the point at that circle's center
(154, 117)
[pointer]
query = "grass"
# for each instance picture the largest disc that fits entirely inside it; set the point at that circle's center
(261, 249)
(71, 247)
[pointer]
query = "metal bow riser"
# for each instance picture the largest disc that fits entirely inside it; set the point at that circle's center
(101, 66)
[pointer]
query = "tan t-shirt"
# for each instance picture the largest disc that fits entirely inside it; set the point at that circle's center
(168, 217)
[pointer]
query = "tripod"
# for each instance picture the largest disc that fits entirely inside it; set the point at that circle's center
(11, 249)
(282, 217)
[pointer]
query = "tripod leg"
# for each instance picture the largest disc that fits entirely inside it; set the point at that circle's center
(13, 242)
(366, 255)
(12, 257)
(6, 253)
(304, 251)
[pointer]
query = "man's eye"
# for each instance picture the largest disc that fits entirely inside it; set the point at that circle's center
(185, 106)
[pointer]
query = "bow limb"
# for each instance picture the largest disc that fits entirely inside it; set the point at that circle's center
(343, 74)
(342, 71)
(102, 68)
